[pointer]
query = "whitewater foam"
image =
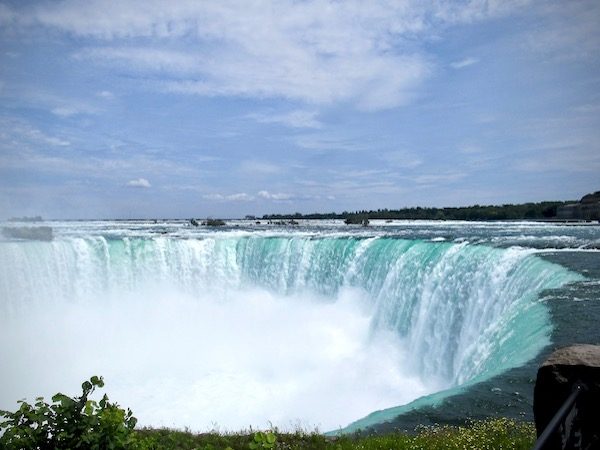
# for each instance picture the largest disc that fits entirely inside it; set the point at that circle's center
(239, 330)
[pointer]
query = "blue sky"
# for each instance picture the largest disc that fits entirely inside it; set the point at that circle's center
(217, 108)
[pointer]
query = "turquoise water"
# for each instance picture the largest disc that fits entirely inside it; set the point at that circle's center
(319, 325)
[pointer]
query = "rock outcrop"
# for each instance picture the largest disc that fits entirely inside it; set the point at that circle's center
(556, 380)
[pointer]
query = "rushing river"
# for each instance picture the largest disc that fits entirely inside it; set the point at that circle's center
(319, 324)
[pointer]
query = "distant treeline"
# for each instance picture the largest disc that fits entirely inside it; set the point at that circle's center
(542, 210)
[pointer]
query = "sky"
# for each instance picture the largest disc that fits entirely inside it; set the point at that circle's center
(143, 109)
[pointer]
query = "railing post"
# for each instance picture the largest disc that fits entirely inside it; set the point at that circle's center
(564, 418)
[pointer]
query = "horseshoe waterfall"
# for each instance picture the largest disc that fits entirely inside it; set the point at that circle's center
(320, 325)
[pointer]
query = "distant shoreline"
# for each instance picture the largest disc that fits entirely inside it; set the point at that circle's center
(586, 210)
(542, 211)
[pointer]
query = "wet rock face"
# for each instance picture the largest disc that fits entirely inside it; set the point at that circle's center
(556, 379)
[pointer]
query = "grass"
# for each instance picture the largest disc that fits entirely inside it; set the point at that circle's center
(489, 434)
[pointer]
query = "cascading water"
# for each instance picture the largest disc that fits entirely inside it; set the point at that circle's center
(242, 330)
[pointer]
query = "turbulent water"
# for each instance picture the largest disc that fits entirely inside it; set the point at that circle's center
(320, 324)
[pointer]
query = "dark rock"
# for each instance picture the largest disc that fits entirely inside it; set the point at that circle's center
(213, 223)
(555, 382)
(357, 220)
(194, 222)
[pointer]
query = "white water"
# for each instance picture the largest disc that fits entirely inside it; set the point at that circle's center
(244, 331)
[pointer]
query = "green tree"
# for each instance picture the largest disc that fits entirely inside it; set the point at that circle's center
(69, 423)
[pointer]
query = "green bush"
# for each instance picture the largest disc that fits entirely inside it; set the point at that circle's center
(69, 423)
(263, 441)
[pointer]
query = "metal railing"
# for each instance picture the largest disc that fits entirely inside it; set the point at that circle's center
(565, 417)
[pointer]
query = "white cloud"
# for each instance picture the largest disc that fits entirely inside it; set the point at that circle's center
(64, 111)
(245, 197)
(274, 196)
(35, 97)
(317, 51)
(588, 108)
(105, 94)
(238, 197)
(139, 183)
(25, 147)
(566, 31)
(23, 131)
(402, 159)
(438, 178)
(144, 59)
(213, 197)
(56, 141)
(260, 168)
(475, 10)
(561, 158)
(464, 63)
(242, 196)
(469, 148)
(328, 141)
(295, 119)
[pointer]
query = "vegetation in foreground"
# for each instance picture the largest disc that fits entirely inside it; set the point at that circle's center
(489, 434)
(78, 422)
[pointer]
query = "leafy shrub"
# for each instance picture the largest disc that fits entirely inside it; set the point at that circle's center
(69, 423)
(263, 441)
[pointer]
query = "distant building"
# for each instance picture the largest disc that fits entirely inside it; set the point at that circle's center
(588, 208)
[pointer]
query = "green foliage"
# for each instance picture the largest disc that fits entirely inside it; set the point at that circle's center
(69, 423)
(263, 441)
(536, 211)
(489, 434)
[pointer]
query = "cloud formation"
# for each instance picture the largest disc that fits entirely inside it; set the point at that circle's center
(139, 183)
(235, 108)
(237, 197)
(274, 196)
(464, 63)
(295, 119)
(316, 52)
(245, 197)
